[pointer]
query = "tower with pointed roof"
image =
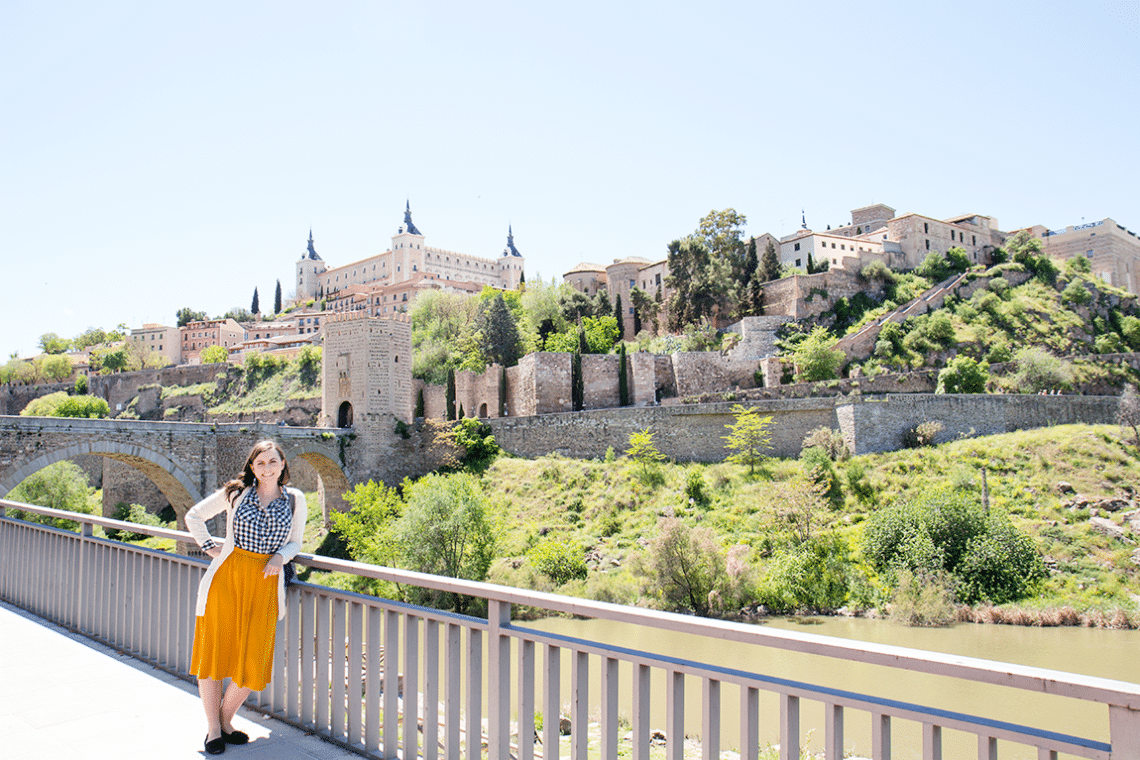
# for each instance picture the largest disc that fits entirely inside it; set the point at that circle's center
(407, 249)
(309, 270)
(511, 262)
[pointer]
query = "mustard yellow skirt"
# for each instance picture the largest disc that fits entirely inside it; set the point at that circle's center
(235, 638)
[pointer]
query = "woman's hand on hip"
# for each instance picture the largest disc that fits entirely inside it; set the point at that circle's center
(273, 566)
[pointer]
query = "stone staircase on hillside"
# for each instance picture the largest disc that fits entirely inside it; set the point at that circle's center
(859, 345)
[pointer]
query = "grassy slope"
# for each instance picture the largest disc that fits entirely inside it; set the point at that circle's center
(608, 509)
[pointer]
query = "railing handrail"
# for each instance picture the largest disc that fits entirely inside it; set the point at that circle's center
(1041, 680)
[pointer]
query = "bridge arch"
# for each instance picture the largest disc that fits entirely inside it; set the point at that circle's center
(333, 481)
(168, 476)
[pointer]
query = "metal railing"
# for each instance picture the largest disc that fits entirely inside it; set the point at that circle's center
(389, 679)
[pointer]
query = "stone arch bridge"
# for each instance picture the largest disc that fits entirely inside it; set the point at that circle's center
(186, 461)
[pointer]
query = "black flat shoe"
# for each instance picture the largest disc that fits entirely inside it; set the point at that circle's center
(215, 746)
(235, 737)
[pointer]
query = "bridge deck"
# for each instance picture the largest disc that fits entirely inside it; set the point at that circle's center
(63, 696)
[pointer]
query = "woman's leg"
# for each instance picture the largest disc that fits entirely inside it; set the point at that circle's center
(235, 698)
(211, 693)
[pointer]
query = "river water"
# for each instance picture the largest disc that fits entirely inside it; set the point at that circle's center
(1095, 652)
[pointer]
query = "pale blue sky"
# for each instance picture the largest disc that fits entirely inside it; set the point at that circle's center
(167, 154)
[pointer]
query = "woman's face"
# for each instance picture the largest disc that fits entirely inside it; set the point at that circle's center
(267, 466)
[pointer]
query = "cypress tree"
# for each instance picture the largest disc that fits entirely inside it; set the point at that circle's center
(769, 264)
(503, 392)
(577, 386)
(619, 317)
(461, 415)
(277, 299)
(451, 394)
(623, 382)
(420, 403)
(255, 307)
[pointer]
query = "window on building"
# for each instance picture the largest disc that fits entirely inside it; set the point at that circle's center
(798, 262)
(926, 227)
(797, 248)
(975, 239)
(928, 244)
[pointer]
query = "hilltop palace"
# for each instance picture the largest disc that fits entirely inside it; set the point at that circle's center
(386, 283)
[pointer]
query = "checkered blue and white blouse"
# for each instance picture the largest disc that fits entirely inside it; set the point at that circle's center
(262, 529)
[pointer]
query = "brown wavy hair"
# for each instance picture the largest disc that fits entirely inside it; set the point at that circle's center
(247, 478)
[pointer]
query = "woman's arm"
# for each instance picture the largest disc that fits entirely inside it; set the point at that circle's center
(201, 512)
(292, 545)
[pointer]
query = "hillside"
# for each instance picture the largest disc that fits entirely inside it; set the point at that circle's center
(1068, 487)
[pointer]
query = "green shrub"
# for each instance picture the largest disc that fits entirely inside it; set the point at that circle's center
(1038, 370)
(818, 466)
(828, 440)
(478, 442)
(1075, 293)
(815, 576)
(924, 599)
(963, 375)
(681, 566)
(696, 489)
(134, 513)
(559, 559)
(922, 434)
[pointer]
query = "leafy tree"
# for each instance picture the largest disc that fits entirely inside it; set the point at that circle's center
(749, 437)
(369, 528)
(277, 299)
(255, 306)
(110, 360)
(214, 355)
(81, 385)
(187, 315)
(440, 320)
(646, 311)
(239, 314)
(644, 454)
(94, 336)
(816, 358)
(478, 442)
(682, 566)
(816, 574)
(56, 367)
(596, 335)
(132, 513)
(575, 304)
(309, 365)
(53, 344)
(58, 486)
(963, 375)
(702, 284)
(445, 531)
(1076, 294)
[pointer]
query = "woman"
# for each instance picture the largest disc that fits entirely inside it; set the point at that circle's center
(242, 594)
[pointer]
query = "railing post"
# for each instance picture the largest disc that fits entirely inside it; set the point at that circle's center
(499, 681)
(1124, 731)
(789, 727)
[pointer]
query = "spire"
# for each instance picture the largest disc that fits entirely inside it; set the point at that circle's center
(312, 254)
(510, 250)
(411, 228)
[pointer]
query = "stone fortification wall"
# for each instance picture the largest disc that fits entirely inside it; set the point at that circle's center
(700, 371)
(600, 381)
(809, 295)
(520, 388)
(758, 336)
(552, 391)
(686, 433)
(879, 423)
(869, 424)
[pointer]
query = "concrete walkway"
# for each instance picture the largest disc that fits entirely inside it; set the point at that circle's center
(63, 696)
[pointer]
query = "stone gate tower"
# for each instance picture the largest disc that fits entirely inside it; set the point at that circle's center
(367, 385)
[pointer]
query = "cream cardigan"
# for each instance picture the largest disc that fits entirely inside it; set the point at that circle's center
(213, 504)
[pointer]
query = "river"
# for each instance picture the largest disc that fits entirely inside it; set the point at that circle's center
(1095, 652)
